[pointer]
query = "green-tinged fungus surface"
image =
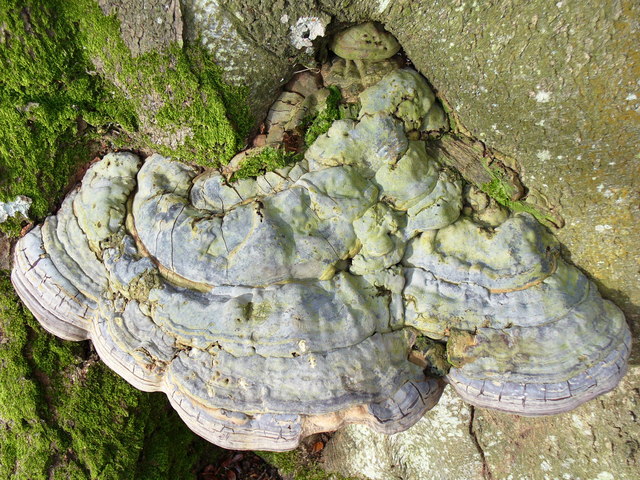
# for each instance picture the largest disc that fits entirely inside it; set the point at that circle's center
(274, 307)
(364, 44)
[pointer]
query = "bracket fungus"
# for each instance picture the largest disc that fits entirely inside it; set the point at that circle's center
(271, 308)
(362, 44)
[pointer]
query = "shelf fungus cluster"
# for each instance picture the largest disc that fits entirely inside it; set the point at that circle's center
(271, 308)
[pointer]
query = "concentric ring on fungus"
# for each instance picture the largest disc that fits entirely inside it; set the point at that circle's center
(276, 307)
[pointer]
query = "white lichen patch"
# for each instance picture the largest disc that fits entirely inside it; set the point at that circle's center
(19, 206)
(606, 192)
(542, 96)
(543, 155)
(603, 228)
(450, 418)
(605, 476)
(220, 36)
(439, 444)
(361, 452)
(580, 425)
(306, 30)
(382, 5)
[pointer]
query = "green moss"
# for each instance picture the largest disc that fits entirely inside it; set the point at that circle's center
(51, 88)
(321, 123)
(12, 225)
(179, 91)
(498, 190)
(501, 191)
(267, 160)
(44, 90)
(66, 415)
(292, 465)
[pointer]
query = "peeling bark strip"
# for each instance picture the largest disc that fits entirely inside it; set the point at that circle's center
(475, 162)
(481, 166)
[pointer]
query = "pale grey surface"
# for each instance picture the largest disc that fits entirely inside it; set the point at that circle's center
(404, 95)
(552, 85)
(284, 306)
(147, 25)
(453, 441)
(514, 255)
(19, 206)
(423, 451)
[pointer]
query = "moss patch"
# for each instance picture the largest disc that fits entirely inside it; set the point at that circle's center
(321, 123)
(501, 192)
(294, 466)
(68, 78)
(267, 160)
(66, 415)
(44, 90)
(175, 91)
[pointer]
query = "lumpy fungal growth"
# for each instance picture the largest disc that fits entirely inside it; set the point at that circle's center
(271, 308)
(362, 44)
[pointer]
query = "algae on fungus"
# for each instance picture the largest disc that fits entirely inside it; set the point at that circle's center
(266, 160)
(321, 122)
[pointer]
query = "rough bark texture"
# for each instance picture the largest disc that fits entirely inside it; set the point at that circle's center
(251, 41)
(415, 454)
(5, 252)
(147, 25)
(599, 440)
(553, 86)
